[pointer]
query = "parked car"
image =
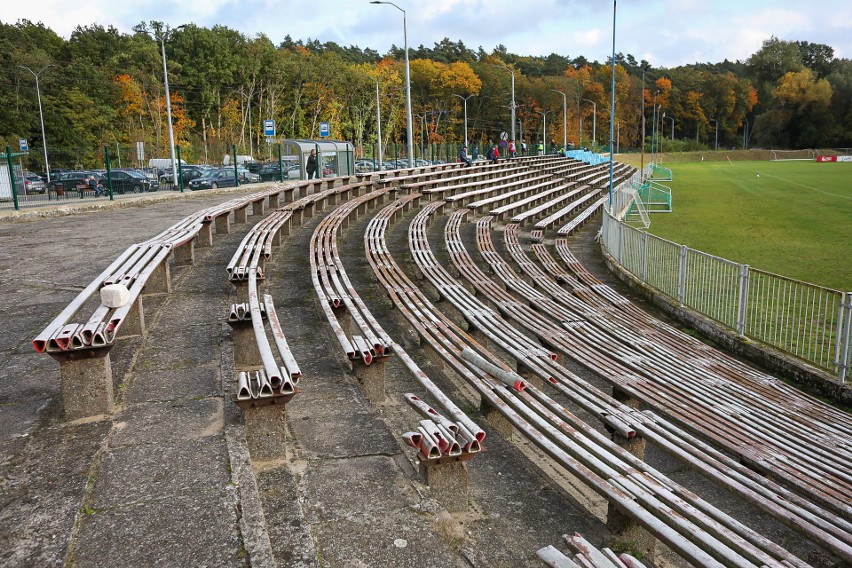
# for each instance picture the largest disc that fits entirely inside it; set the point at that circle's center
(363, 165)
(222, 177)
(247, 176)
(70, 181)
(124, 181)
(33, 183)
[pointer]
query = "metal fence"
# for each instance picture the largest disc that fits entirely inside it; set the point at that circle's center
(810, 322)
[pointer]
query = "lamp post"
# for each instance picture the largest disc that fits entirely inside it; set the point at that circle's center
(673, 123)
(410, 137)
(40, 114)
(162, 35)
(544, 129)
(465, 114)
(360, 131)
(716, 147)
(612, 109)
(564, 118)
(512, 107)
(378, 123)
(654, 126)
(594, 123)
(422, 118)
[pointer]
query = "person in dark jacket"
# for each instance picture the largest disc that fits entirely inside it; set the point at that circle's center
(311, 166)
(463, 157)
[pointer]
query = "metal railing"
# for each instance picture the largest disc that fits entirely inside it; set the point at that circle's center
(810, 322)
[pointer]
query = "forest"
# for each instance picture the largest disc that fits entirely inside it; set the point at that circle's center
(102, 88)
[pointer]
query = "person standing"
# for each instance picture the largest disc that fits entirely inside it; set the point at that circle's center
(512, 149)
(311, 166)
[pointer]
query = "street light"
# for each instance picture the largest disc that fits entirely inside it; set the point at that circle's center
(512, 107)
(717, 133)
(673, 123)
(595, 123)
(162, 35)
(564, 118)
(378, 122)
(407, 84)
(40, 114)
(465, 115)
(544, 129)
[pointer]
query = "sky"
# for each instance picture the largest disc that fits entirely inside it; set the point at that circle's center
(666, 33)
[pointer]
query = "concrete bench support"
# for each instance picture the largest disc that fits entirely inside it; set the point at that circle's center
(240, 215)
(372, 380)
(448, 482)
(134, 323)
(223, 225)
(246, 353)
(266, 432)
(185, 254)
(205, 235)
(257, 208)
(160, 280)
(273, 201)
(86, 387)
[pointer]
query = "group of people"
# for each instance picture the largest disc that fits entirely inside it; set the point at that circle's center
(493, 154)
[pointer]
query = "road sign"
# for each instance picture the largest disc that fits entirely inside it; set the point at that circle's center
(23, 143)
(504, 135)
(324, 130)
(270, 140)
(269, 128)
(140, 151)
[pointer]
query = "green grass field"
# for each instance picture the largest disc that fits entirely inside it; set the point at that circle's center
(790, 218)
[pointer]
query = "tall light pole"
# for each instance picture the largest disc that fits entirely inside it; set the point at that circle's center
(716, 147)
(654, 126)
(378, 122)
(544, 129)
(162, 35)
(595, 123)
(612, 109)
(564, 118)
(512, 107)
(408, 120)
(673, 123)
(465, 114)
(40, 113)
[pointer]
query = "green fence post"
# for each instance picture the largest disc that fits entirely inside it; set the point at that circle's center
(280, 164)
(180, 168)
(109, 172)
(12, 177)
(236, 173)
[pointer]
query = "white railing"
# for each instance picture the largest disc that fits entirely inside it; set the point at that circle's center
(810, 322)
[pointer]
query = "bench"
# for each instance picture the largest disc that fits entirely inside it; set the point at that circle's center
(584, 555)
(830, 532)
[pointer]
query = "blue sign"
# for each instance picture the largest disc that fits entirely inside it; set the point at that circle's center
(269, 128)
(23, 143)
(324, 130)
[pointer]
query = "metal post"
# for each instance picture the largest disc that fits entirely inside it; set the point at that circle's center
(642, 161)
(109, 173)
(12, 176)
(644, 266)
(378, 124)
(612, 109)
(681, 275)
(653, 127)
(41, 118)
(742, 313)
(280, 164)
(236, 173)
(180, 168)
(168, 108)
(465, 115)
(564, 118)
(845, 351)
(594, 123)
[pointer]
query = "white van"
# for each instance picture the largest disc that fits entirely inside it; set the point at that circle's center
(241, 160)
(163, 163)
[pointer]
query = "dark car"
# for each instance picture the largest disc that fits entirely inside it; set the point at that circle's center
(223, 177)
(129, 181)
(70, 181)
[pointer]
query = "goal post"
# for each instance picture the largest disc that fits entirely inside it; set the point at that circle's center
(791, 155)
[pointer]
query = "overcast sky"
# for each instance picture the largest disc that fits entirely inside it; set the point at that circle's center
(667, 33)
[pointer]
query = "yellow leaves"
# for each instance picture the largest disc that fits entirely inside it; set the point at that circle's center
(435, 80)
(801, 90)
(130, 92)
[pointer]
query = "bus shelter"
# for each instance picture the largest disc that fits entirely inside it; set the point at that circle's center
(334, 157)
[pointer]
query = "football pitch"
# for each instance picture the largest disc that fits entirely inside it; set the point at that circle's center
(791, 218)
